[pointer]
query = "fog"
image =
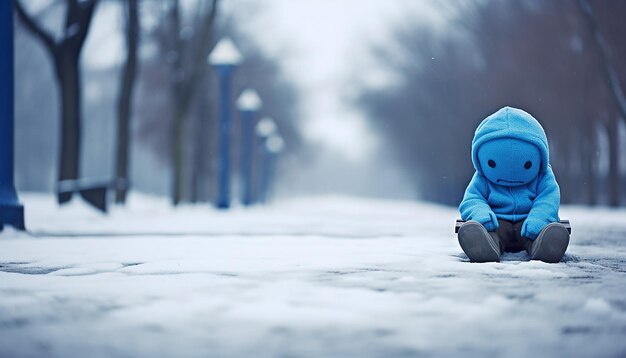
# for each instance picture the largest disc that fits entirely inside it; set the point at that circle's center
(372, 98)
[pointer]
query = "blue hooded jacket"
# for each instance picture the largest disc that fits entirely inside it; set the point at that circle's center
(513, 179)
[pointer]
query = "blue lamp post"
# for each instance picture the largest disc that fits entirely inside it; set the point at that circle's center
(248, 104)
(225, 58)
(264, 129)
(274, 146)
(11, 211)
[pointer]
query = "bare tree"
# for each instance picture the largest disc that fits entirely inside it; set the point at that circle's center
(536, 55)
(612, 80)
(65, 52)
(199, 133)
(125, 99)
(187, 67)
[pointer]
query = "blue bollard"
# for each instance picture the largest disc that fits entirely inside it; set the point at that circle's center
(11, 211)
(247, 122)
(223, 199)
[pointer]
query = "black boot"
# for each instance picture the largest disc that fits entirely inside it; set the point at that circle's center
(478, 244)
(551, 244)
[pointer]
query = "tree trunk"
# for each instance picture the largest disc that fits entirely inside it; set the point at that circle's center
(125, 100)
(66, 55)
(588, 150)
(178, 129)
(179, 112)
(566, 156)
(68, 76)
(613, 135)
(615, 88)
(186, 78)
(199, 163)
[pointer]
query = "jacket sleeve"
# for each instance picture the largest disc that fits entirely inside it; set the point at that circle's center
(545, 207)
(474, 204)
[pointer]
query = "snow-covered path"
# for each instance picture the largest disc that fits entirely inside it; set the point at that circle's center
(312, 277)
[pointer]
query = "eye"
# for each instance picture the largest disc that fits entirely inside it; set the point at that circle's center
(492, 164)
(528, 164)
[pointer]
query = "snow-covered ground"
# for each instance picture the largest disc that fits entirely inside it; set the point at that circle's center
(332, 276)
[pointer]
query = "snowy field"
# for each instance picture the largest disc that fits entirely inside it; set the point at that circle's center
(316, 277)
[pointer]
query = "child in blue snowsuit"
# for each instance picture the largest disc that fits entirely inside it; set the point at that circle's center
(512, 201)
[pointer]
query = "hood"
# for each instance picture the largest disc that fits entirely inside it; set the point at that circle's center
(514, 123)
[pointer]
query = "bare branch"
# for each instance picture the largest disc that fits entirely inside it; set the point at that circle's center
(87, 9)
(77, 20)
(603, 51)
(204, 41)
(35, 28)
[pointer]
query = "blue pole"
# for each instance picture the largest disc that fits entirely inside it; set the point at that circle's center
(265, 177)
(247, 127)
(223, 199)
(11, 211)
(271, 176)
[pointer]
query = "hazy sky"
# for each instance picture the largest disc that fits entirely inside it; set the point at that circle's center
(324, 44)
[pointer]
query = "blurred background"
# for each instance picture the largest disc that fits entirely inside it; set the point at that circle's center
(369, 98)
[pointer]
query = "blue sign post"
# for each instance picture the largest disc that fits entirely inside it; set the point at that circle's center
(225, 57)
(11, 211)
(248, 104)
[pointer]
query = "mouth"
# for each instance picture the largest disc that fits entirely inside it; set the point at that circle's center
(510, 182)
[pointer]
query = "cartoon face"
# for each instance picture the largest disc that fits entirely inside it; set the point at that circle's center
(509, 162)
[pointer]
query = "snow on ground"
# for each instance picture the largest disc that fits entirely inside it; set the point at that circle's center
(332, 276)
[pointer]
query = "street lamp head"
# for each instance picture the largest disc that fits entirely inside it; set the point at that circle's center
(275, 144)
(225, 53)
(265, 128)
(249, 101)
